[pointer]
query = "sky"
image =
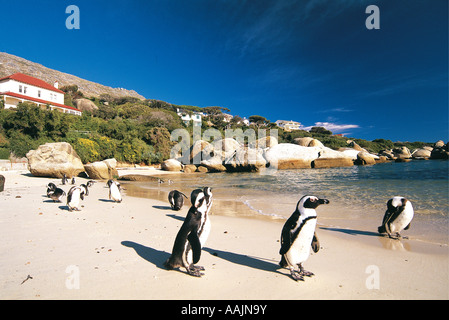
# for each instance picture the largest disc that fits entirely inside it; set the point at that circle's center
(311, 61)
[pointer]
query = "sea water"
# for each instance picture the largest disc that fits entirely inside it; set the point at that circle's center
(357, 194)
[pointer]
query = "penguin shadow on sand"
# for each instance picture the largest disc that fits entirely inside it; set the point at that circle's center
(385, 241)
(245, 260)
(151, 255)
(162, 207)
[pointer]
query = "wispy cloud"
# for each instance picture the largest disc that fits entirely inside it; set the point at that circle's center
(335, 128)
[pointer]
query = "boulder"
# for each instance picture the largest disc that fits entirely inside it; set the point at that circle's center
(189, 168)
(102, 170)
(308, 142)
(202, 169)
(421, 154)
(171, 165)
(290, 156)
(364, 158)
(214, 164)
(332, 162)
(440, 152)
(200, 150)
(349, 152)
(388, 154)
(402, 153)
(247, 160)
(54, 160)
(84, 104)
(439, 144)
(265, 142)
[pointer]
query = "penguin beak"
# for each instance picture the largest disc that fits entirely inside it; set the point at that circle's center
(323, 201)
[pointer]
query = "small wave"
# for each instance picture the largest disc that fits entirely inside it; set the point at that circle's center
(272, 215)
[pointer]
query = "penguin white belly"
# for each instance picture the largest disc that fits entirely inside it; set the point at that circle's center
(206, 231)
(115, 193)
(75, 201)
(403, 219)
(300, 248)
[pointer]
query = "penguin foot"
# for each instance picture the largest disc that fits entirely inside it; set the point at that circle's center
(296, 275)
(306, 273)
(195, 272)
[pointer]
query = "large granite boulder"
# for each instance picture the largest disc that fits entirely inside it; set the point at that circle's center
(440, 151)
(421, 153)
(308, 142)
(364, 158)
(54, 160)
(102, 170)
(84, 104)
(247, 160)
(402, 153)
(290, 156)
(171, 165)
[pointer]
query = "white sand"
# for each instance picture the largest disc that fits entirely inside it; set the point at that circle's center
(117, 251)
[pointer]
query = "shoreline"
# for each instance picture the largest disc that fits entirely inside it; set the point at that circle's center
(118, 251)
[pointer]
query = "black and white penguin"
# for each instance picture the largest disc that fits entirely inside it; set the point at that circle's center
(176, 199)
(73, 180)
(73, 198)
(205, 220)
(51, 187)
(64, 179)
(298, 235)
(85, 188)
(54, 192)
(114, 191)
(398, 217)
(187, 247)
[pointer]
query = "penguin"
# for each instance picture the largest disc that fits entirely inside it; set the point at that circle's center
(90, 183)
(205, 227)
(298, 235)
(73, 198)
(73, 180)
(114, 191)
(187, 247)
(64, 179)
(51, 187)
(176, 199)
(57, 194)
(85, 188)
(398, 217)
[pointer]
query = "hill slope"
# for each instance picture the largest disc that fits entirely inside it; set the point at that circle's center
(10, 64)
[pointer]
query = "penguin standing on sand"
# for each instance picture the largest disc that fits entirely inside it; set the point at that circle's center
(398, 216)
(51, 187)
(205, 227)
(64, 179)
(85, 188)
(298, 235)
(114, 191)
(176, 199)
(73, 198)
(187, 247)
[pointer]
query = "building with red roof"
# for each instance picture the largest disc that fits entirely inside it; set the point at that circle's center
(20, 87)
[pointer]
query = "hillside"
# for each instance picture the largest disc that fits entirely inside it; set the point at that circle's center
(10, 64)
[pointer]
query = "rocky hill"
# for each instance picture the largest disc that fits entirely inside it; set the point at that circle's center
(10, 64)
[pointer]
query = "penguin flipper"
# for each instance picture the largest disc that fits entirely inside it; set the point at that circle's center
(195, 243)
(315, 243)
(408, 226)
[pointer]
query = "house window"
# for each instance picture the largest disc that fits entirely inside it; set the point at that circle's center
(38, 93)
(25, 89)
(20, 88)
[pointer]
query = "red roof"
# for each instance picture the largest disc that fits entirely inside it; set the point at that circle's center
(21, 96)
(20, 77)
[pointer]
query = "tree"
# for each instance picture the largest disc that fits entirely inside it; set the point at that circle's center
(258, 120)
(320, 130)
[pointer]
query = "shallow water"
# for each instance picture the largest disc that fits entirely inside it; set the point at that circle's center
(358, 194)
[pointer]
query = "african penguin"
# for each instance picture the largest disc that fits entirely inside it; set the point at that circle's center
(398, 216)
(64, 179)
(54, 192)
(73, 198)
(114, 191)
(85, 188)
(187, 247)
(73, 180)
(51, 187)
(298, 235)
(205, 221)
(176, 199)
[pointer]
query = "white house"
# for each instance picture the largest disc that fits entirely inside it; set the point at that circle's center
(187, 116)
(288, 125)
(20, 87)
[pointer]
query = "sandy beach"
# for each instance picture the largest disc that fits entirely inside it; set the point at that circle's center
(116, 251)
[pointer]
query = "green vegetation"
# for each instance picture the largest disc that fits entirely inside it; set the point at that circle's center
(136, 131)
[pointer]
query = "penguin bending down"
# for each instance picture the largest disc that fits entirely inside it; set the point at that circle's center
(114, 191)
(298, 235)
(85, 188)
(54, 192)
(398, 216)
(176, 199)
(187, 247)
(73, 198)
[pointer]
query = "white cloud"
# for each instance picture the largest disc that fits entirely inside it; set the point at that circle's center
(335, 128)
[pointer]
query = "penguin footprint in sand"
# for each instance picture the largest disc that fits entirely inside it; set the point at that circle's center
(298, 235)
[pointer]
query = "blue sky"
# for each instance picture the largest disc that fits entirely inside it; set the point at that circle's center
(310, 61)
